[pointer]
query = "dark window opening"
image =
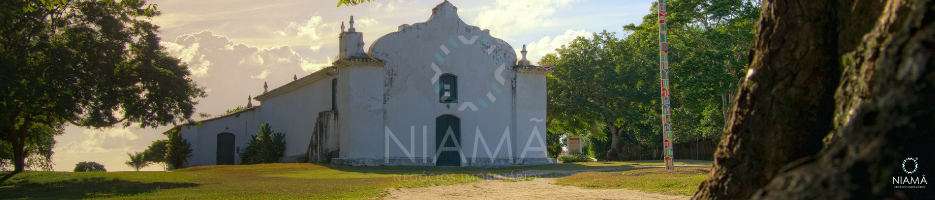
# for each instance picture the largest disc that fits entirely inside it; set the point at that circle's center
(448, 89)
(334, 92)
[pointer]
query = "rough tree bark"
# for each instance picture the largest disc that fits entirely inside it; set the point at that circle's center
(786, 104)
(886, 113)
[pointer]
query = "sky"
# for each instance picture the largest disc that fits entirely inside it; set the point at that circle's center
(233, 47)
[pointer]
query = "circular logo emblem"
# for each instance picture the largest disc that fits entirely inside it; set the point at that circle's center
(914, 161)
(444, 89)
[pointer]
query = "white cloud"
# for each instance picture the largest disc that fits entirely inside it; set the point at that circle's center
(238, 70)
(365, 23)
(308, 66)
(262, 75)
(207, 53)
(388, 7)
(508, 17)
(189, 54)
(310, 32)
(309, 29)
(103, 140)
(547, 44)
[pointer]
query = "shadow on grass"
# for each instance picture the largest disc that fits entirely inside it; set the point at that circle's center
(475, 170)
(79, 188)
(432, 170)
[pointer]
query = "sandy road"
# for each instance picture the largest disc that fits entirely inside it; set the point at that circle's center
(539, 188)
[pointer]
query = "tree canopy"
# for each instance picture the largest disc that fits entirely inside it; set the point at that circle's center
(613, 83)
(156, 153)
(89, 63)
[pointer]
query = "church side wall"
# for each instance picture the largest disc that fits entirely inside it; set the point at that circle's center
(294, 113)
(344, 124)
(530, 115)
(204, 138)
(364, 112)
(190, 134)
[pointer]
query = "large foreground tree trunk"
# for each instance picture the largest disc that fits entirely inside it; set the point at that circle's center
(880, 113)
(886, 114)
(18, 140)
(786, 105)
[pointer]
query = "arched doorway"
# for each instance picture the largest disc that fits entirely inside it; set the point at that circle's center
(448, 141)
(225, 152)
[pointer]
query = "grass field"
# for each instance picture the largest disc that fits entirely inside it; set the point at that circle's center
(681, 181)
(278, 181)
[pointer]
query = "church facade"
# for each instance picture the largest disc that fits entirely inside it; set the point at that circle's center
(438, 93)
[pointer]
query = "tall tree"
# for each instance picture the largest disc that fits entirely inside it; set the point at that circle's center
(603, 82)
(156, 153)
(788, 103)
(89, 63)
(885, 116)
(38, 148)
(708, 41)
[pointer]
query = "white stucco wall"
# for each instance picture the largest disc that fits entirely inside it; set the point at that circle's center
(530, 113)
(364, 111)
(203, 139)
(411, 100)
(294, 113)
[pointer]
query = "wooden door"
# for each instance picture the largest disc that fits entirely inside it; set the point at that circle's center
(450, 147)
(225, 151)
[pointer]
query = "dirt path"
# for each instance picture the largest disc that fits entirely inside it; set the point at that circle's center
(539, 188)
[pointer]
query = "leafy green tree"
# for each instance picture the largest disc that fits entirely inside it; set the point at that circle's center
(237, 109)
(137, 161)
(553, 143)
(600, 81)
(351, 2)
(178, 149)
(156, 153)
(89, 63)
(264, 147)
(89, 167)
(708, 44)
(38, 148)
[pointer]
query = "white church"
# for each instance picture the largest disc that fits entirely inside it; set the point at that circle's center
(437, 93)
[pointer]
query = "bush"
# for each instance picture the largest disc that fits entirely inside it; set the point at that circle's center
(156, 153)
(599, 148)
(89, 167)
(178, 150)
(553, 143)
(574, 157)
(264, 147)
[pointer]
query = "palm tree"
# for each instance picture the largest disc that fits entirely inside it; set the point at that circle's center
(137, 161)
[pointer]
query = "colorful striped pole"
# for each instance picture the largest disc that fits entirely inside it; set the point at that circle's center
(664, 83)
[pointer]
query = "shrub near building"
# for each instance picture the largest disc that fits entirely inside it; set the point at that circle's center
(264, 147)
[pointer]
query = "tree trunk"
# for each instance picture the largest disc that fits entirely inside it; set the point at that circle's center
(614, 153)
(886, 114)
(18, 140)
(786, 105)
(19, 160)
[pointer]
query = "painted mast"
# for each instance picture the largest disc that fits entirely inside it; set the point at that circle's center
(664, 83)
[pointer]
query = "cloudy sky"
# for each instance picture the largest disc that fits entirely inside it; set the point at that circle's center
(233, 46)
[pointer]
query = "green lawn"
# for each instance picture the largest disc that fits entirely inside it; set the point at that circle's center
(681, 181)
(276, 181)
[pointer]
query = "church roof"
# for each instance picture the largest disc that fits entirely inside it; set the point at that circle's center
(305, 80)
